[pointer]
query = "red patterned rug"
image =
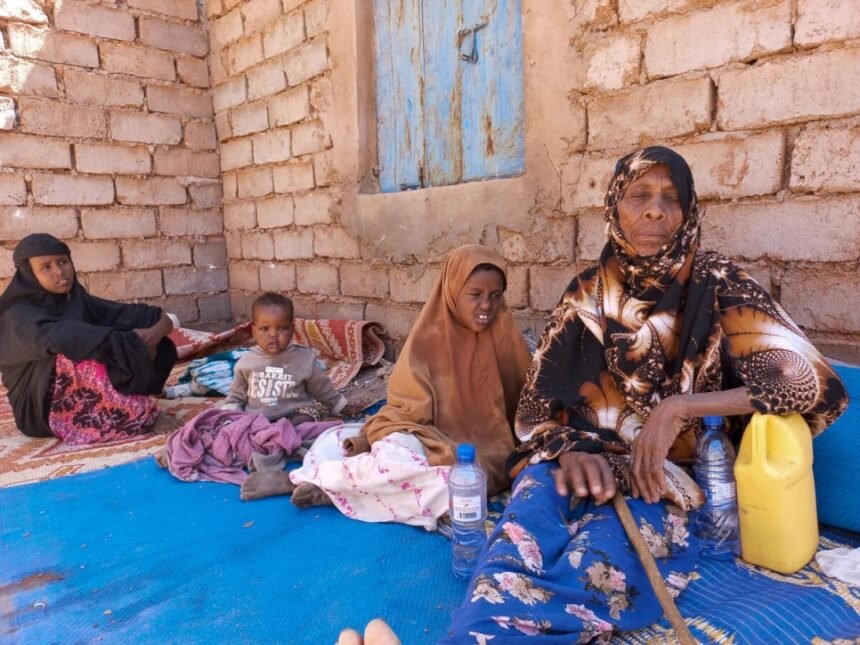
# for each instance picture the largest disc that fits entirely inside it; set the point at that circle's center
(343, 345)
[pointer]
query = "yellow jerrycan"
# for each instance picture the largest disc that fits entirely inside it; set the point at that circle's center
(776, 493)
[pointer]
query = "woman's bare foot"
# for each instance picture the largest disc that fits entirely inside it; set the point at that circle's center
(307, 495)
(161, 458)
(266, 483)
(377, 632)
(165, 423)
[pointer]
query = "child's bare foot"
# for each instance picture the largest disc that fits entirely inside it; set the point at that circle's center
(307, 495)
(161, 458)
(165, 423)
(377, 632)
(266, 483)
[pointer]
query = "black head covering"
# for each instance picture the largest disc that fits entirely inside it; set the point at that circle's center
(24, 286)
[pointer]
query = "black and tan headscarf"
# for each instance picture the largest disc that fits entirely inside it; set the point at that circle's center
(634, 330)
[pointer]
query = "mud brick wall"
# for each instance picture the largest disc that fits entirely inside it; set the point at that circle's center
(107, 140)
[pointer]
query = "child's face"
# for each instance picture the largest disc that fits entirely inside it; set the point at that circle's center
(479, 300)
(272, 328)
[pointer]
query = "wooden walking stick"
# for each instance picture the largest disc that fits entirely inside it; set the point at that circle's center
(654, 577)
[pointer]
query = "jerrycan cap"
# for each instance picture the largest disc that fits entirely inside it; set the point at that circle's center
(712, 421)
(466, 453)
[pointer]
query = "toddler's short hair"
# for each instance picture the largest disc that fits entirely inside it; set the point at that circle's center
(271, 299)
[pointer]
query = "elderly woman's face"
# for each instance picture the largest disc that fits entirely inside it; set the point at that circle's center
(650, 212)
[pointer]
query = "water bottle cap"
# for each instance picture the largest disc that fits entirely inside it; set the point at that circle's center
(466, 453)
(712, 421)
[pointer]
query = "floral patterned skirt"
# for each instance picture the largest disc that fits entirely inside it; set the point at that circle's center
(85, 407)
(569, 575)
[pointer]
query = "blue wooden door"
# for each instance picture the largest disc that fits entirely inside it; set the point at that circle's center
(449, 91)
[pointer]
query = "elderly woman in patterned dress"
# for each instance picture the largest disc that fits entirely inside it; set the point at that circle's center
(657, 335)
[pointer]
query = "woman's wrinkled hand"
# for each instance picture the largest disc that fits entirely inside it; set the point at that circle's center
(583, 474)
(651, 447)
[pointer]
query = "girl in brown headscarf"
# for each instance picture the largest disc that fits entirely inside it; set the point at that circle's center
(457, 380)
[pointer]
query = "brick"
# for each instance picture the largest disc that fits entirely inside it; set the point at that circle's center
(145, 128)
(7, 266)
(179, 100)
(121, 285)
(236, 154)
(266, 80)
(95, 89)
(102, 159)
(205, 195)
(412, 283)
(200, 136)
(309, 138)
(285, 34)
(289, 5)
(239, 215)
(317, 278)
(59, 190)
(23, 77)
(822, 299)
(85, 18)
(813, 230)
(547, 284)
(193, 281)
(172, 37)
(23, 10)
(398, 321)
(8, 113)
(341, 310)
(226, 29)
(290, 107)
(184, 9)
(13, 190)
(612, 63)
(103, 224)
(214, 307)
(31, 42)
(826, 160)
(193, 71)
(182, 222)
(212, 254)
(334, 242)
(260, 14)
(293, 177)
(819, 21)
(217, 68)
(144, 62)
(306, 61)
(313, 208)
(821, 84)
(274, 212)
(590, 234)
(95, 256)
(257, 245)
(154, 253)
(183, 307)
(229, 94)
(585, 180)
(150, 190)
(316, 17)
(244, 275)
(321, 94)
(551, 242)
(230, 182)
(233, 242)
(323, 174)
(214, 8)
(249, 119)
(364, 280)
(732, 167)
(222, 126)
(22, 151)
(17, 222)
(244, 54)
(517, 293)
(279, 277)
(674, 46)
(182, 162)
(255, 183)
(656, 111)
(633, 10)
(272, 146)
(294, 245)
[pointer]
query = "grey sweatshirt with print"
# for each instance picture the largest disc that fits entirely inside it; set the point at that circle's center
(277, 384)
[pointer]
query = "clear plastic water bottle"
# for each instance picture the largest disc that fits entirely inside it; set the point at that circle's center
(467, 505)
(716, 523)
